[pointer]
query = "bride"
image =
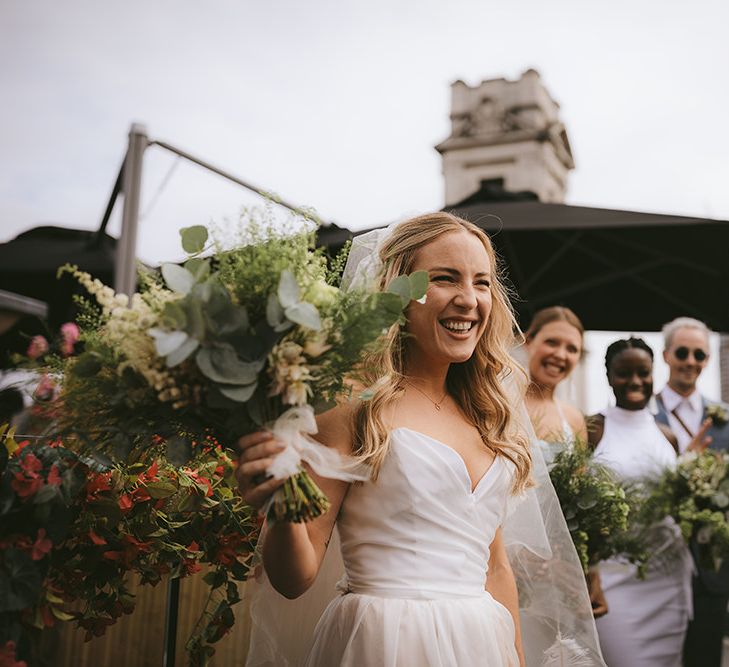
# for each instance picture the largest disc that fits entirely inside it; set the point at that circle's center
(427, 579)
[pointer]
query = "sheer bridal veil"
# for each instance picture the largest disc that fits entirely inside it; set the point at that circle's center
(557, 625)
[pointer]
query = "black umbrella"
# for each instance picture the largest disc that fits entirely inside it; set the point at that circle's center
(618, 270)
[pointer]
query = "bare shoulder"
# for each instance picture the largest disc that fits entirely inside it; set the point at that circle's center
(335, 427)
(576, 419)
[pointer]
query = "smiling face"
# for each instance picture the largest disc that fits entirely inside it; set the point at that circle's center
(553, 352)
(447, 327)
(687, 342)
(631, 378)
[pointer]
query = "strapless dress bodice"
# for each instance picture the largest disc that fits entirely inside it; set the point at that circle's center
(420, 530)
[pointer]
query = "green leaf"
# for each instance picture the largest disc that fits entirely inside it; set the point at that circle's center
(173, 315)
(195, 318)
(238, 394)
(178, 279)
(418, 284)
(275, 315)
(288, 289)
(161, 489)
(193, 238)
(166, 342)
(87, 365)
(200, 268)
(305, 314)
(401, 287)
(20, 581)
(181, 353)
(221, 363)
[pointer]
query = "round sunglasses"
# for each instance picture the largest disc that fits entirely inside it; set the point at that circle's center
(683, 352)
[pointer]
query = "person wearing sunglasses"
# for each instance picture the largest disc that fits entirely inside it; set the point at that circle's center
(681, 406)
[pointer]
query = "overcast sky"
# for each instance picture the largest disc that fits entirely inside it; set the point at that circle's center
(337, 105)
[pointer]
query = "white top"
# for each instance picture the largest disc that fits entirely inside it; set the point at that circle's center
(633, 446)
(689, 408)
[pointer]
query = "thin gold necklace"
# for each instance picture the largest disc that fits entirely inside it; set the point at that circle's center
(437, 404)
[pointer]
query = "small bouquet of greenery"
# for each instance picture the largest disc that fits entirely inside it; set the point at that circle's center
(696, 495)
(594, 504)
(258, 335)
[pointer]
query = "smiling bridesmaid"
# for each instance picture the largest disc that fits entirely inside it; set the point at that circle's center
(554, 346)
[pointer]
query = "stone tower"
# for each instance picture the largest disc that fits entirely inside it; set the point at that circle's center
(508, 133)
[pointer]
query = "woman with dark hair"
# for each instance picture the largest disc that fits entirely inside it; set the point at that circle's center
(648, 616)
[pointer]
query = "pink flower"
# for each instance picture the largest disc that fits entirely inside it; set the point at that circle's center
(45, 389)
(69, 338)
(37, 348)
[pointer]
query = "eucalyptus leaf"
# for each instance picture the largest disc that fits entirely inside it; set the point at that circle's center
(166, 342)
(181, 353)
(400, 286)
(275, 315)
(220, 363)
(200, 268)
(418, 284)
(178, 279)
(173, 315)
(195, 319)
(288, 289)
(305, 314)
(193, 238)
(239, 394)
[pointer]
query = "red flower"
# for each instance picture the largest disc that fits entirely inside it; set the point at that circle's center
(97, 484)
(54, 477)
(7, 656)
(126, 503)
(113, 555)
(201, 481)
(140, 494)
(42, 545)
(31, 465)
(26, 486)
(96, 539)
(150, 475)
(190, 566)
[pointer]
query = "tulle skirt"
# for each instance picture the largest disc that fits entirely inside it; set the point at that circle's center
(359, 630)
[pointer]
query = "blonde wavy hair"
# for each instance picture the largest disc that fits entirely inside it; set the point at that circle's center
(477, 385)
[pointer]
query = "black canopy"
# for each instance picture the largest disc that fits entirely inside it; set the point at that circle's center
(618, 270)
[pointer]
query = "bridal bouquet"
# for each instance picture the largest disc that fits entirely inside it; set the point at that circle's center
(696, 495)
(255, 336)
(593, 502)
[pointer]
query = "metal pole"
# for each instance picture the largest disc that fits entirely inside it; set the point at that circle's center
(125, 274)
(173, 604)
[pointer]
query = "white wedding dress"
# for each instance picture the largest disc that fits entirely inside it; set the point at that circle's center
(647, 618)
(415, 546)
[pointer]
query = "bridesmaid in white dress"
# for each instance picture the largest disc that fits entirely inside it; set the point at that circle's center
(428, 581)
(554, 346)
(648, 617)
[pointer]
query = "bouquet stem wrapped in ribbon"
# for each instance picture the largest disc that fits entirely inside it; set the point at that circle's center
(300, 499)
